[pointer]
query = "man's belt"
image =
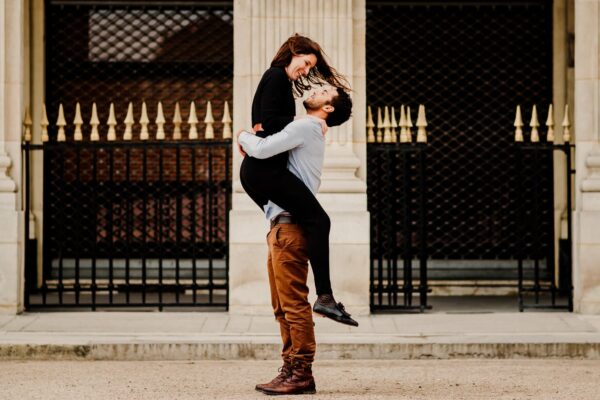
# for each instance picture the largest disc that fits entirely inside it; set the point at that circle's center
(283, 219)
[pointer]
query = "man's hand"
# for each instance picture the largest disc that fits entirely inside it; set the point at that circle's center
(240, 148)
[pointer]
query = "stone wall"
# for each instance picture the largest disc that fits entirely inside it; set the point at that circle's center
(586, 252)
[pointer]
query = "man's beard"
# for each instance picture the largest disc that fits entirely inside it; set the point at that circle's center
(308, 106)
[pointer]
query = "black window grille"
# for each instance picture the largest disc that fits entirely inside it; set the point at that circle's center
(119, 52)
(470, 63)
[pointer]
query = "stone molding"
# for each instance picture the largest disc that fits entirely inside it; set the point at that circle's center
(6, 183)
(591, 183)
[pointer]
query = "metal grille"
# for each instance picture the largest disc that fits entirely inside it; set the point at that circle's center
(138, 223)
(97, 51)
(470, 64)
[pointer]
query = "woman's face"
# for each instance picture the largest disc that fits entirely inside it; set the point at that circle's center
(300, 65)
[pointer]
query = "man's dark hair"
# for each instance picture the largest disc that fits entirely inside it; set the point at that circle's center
(342, 104)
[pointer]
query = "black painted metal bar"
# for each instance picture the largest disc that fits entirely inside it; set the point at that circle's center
(395, 168)
(144, 220)
(379, 238)
(536, 248)
(95, 216)
(46, 185)
(388, 229)
(406, 223)
(209, 194)
(129, 223)
(110, 233)
(29, 255)
(79, 230)
(177, 219)
(61, 181)
(227, 208)
(423, 285)
(159, 226)
(550, 232)
(194, 232)
(519, 225)
(570, 173)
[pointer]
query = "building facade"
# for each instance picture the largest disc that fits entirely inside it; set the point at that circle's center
(145, 208)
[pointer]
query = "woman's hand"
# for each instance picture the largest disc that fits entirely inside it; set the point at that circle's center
(324, 126)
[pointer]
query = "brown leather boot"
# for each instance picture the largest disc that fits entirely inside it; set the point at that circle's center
(284, 371)
(300, 381)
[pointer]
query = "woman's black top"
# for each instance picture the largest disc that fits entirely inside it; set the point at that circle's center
(273, 106)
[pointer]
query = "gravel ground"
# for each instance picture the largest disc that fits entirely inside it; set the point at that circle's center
(423, 379)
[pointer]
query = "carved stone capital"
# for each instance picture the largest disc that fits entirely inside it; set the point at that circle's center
(6, 183)
(591, 183)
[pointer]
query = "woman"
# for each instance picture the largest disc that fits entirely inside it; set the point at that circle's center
(298, 64)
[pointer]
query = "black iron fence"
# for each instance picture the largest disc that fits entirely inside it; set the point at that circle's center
(131, 224)
(545, 284)
(401, 208)
(397, 202)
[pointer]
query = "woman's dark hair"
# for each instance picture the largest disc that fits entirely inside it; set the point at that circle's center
(297, 45)
(342, 108)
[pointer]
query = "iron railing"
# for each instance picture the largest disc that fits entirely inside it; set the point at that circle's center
(397, 203)
(131, 224)
(535, 238)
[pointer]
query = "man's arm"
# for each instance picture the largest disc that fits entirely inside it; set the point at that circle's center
(290, 137)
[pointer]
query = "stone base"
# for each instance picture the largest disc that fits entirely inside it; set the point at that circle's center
(586, 266)
(11, 271)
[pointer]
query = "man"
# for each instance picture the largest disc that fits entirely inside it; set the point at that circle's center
(288, 261)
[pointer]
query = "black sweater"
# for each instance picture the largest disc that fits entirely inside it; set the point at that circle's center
(273, 105)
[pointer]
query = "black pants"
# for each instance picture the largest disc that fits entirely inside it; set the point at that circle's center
(266, 180)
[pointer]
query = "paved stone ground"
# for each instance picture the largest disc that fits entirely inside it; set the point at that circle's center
(141, 336)
(545, 379)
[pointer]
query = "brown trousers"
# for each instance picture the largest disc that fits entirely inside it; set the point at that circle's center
(288, 271)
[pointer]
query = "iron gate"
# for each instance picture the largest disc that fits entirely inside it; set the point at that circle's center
(469, 63)
(539, 286)
(133, 223)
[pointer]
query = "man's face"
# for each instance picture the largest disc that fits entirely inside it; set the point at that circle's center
(320, 97)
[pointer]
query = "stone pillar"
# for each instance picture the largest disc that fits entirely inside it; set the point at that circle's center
(587, 133)
(260, 27)
(11, 95)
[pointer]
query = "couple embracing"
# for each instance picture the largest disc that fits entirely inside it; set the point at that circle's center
(281, 171)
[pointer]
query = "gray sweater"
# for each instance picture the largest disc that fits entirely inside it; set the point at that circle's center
(304, 140)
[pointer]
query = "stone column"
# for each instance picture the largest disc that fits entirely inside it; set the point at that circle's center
(11, 95)
(260, 27)
(586, 230)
